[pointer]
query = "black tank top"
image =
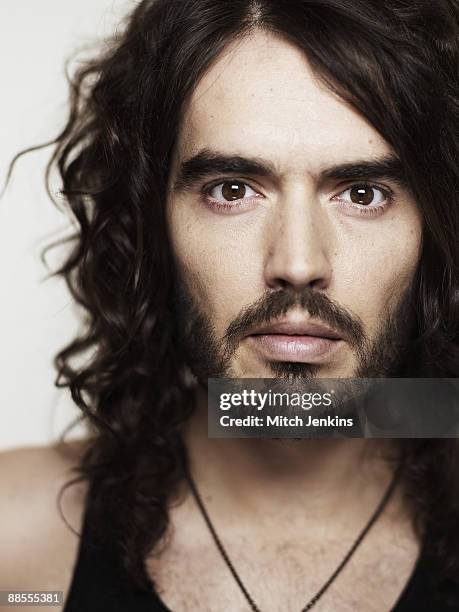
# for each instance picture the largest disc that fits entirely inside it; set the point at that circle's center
(99, 583)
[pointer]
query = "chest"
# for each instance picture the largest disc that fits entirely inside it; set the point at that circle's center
(282, 577)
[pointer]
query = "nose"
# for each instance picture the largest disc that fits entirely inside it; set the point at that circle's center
(299, 241)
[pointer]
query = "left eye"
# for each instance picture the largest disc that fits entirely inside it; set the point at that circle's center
(364, 195)
(229, 191)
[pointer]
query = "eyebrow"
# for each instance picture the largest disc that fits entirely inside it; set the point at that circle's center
(207, 163)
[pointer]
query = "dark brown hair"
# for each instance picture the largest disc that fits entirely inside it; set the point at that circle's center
(396, 63)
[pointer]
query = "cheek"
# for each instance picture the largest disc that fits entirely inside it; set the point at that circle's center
(214, 260)
(377, 268)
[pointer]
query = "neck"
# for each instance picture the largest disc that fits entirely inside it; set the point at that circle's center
(289, 476)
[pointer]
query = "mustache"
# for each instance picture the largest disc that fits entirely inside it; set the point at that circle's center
(274, 304)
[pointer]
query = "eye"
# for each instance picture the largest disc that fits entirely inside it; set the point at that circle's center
(231, 190)
(364, 195)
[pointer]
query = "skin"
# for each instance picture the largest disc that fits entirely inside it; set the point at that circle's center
(291, 232)
(262, 100)
(39, 549)
(287, 512)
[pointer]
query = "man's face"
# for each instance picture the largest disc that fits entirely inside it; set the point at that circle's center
(294, 238)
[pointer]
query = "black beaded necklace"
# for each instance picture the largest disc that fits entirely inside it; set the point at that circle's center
(322, 590)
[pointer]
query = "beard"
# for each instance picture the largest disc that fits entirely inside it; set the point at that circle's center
(207, 356)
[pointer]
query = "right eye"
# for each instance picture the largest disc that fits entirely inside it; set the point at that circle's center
(230, 195)
(229, 191)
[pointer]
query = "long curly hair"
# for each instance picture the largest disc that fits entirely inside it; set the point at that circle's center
(396, 63)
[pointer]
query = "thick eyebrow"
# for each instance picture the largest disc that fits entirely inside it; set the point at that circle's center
(388, 167)
(207, 163)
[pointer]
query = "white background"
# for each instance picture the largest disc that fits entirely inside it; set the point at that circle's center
(36, 315)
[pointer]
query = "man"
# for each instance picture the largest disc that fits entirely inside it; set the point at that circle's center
(263, 188)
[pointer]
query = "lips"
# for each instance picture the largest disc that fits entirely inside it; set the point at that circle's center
(297, 341)
(298, 328)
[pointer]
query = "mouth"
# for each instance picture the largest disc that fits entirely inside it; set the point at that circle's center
(295, 341)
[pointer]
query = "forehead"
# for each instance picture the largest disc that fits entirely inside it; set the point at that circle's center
(261, 98)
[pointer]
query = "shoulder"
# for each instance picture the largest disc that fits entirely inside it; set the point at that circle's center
(31, 477)
(38, 539)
